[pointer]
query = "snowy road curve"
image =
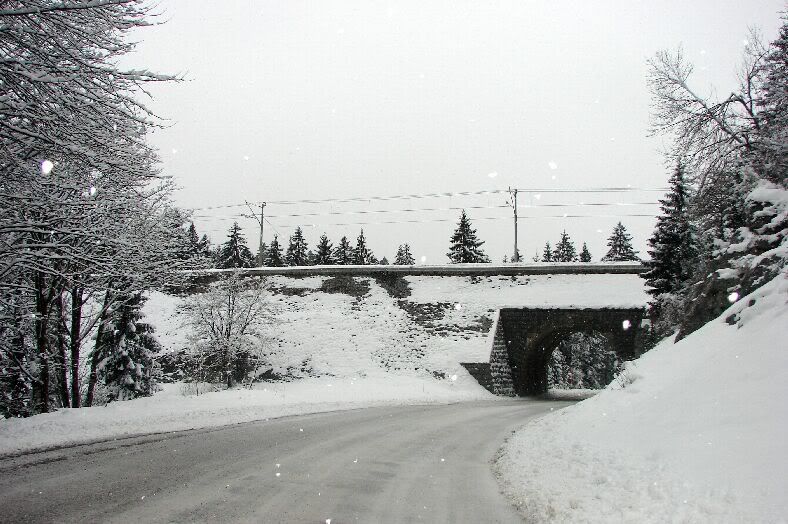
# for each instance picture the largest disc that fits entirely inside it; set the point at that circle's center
(393, 464)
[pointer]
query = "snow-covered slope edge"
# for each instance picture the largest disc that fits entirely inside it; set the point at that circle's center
(699, 433)
(170, 410)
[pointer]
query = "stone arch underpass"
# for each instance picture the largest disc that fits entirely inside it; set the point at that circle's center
(524, 339)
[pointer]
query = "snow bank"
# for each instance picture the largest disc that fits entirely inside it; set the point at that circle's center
(170, 410)
(693, 432)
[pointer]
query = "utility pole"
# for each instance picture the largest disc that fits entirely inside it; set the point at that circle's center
(261, 221)
(516, 254)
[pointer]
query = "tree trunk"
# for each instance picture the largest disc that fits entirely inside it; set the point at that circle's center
(76, 332)
(62, 366)
(98, 349)
(41, 388)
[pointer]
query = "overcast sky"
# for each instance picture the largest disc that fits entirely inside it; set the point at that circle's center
(296, 100)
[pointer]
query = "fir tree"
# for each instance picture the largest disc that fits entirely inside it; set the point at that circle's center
(465, 246)
(324, 255)
(673, 249)
(194, 240)
(129, 365)
(403, 257)
(565, 250)
(547, 254)
(234, 253)
(361, 253)
(311, 257)
(259, 258)
(585, 255)
(516, 257)
(205, 247)
(273, 256)
(296, 250)
(384, 261)
(620, 244)
(343, 253)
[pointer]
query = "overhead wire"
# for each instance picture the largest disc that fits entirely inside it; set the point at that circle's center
(437, 195)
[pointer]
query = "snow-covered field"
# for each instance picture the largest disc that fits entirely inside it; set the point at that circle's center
(694, 432)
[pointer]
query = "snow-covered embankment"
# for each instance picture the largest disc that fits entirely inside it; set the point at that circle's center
(693, 432)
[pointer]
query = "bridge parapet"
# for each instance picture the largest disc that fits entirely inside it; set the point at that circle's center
(548, 268)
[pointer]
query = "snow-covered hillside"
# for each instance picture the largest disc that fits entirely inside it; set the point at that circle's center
(424, 329)
(695, 431)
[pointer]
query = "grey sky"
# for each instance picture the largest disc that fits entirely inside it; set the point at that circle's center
(310, 100)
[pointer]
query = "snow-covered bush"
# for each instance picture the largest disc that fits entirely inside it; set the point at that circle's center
(228, 326)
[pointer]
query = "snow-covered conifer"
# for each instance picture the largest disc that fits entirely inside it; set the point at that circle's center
(235, 253)
(325, 254)
(403, 256)
(362, 255)
(465, 246)
(565, 250)
(620, 244)
(547, 254)
(343, 253)
(273, 256)
(585, 254)
(673, 244)
(296, 251)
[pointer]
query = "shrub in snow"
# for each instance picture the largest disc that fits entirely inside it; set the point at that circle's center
(228, 324)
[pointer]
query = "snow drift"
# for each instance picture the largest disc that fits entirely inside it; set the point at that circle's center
(692, 432)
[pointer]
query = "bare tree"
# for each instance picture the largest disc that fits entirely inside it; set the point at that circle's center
(228, 326)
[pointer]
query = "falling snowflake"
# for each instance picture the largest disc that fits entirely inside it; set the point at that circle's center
(493, 174)
(552, 165)
(46, 167)
(733, 297)
(458, 306)
(423, 259)
(626, 324)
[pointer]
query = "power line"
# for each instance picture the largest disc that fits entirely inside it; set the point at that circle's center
(384, 222)
(438, 195)
(427, 209)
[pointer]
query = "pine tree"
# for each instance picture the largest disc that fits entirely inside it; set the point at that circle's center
(620, 244)
(536, 256)
(547, 254)
(505, 259)
(343, 253)
(194, 240)
(260, 256)
(296, 250)
(673, 246)
(273, 256)
(205, 247)
(384, 261)
(324, 255)
(129, 365)
(565, 250)
(516, 257)
(585, 255)
(234, 253)
(403, 257)
(311, 257)
(361, 253)
(465, 246)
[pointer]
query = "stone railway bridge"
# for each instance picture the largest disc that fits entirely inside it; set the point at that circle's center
(522, 338)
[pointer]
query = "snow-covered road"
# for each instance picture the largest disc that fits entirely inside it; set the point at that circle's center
(390, 464)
